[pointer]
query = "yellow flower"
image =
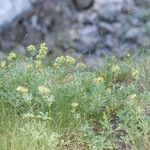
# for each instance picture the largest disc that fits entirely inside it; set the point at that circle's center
(43, 90)
(40, 56)
(98, 80)
(81, 66)
(133, 97)
(11, 56)
(70, 60)
(115, 68)
(43, 49)
(108, 91)
(56, 65)
(128, 55)
(3, 64)
(75, 105)
(135, 73)
(22, 89)
(29, 66)
(38, 64)
(60, 60)
(31, 49)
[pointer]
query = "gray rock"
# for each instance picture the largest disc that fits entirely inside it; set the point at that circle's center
(33, 38)
(21, 50)
(89, 34)
(110, 41)
(134, 34)
(142, 14)
(89, 38)
(134, 21)
(7, 43)
(147, 27)
(83, 4)
(128, 7)
(87, 18)
(124, 48)
(142, 2)
(92, 61)
(2, 55)
(128, 46)
(105, 28)
(84, 47)
(102, 52)
(144, 41)
(117, 28)
(11, 9)
(109, 11)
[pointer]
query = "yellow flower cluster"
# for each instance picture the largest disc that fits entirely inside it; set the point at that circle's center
(3, 64)
(98, 80)
(133, 97)
(75, 105)
(43, 90)
(70, 60)
(115, 68)
(108, 91)
(62, 60)
(22, 89)
(42, 51)
(11, 56)
(31, 49)
(38, 64)
(135, 73)
(81, 66)
(29, 66)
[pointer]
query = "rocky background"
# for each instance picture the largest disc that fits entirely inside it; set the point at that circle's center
(88, 26)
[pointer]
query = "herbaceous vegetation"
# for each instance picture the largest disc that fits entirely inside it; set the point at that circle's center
(65, 106)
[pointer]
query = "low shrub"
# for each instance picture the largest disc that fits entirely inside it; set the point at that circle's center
(66, 106)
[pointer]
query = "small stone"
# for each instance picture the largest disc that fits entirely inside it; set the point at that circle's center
(88, 40)
(144, 41)
(2, 55)
(128, 7)
(34, 36)
(21, 49)
(102, 52)
(134, 33)
(87, 18)
(109, 12)
(83, 4)
(105, 28)
(84, 47)
(110, 41)
(125, 47)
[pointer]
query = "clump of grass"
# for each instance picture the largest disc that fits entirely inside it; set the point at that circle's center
(65, 106)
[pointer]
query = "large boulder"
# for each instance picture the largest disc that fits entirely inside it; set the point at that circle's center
(11, 9)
